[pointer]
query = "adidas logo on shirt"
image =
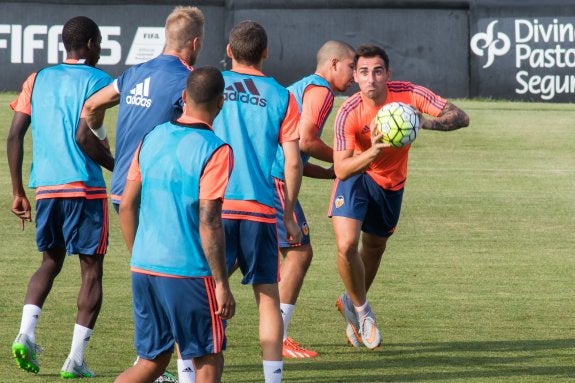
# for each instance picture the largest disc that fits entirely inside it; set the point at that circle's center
(139, 94)
(245, 92)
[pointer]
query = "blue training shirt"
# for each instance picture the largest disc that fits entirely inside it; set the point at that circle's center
(254, 109)
(172, 159)
(57, 158)
(150, 94)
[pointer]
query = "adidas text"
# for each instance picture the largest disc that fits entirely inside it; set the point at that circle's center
(245, 98)
(138, 101)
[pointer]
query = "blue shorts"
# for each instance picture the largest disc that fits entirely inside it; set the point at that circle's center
(77, 224)
(299, 217)
(168, 310)
(360, 197)
(254, 246)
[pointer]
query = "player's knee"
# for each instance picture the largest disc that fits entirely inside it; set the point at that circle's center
(50, 269)
(347, 250)
(375, 246)
(307, 258)
(52, 262)
(303, 256)
(92, 280)
(92, 270)
(211, 364)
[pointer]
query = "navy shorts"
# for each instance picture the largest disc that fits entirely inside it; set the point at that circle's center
(299, 217)
(360, 197)
(168, 310)
(254, 246)
(77, 224)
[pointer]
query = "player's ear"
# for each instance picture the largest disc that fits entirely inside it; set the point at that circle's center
(229, 51)
(184, 95)
(92, 51)
(197, 44)
(219, 104)
(333, 63)
(265, 54)
(92, 45)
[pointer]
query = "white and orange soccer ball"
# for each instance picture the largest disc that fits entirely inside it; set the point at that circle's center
(398, 123)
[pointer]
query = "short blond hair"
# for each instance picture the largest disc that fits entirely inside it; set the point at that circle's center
(182, 25)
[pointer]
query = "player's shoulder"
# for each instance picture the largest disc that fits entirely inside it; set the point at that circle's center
(400, 86)
(252, 75)
(161, 62)
(100, 74)
(352, 102)
(131, 72)
(173, 63)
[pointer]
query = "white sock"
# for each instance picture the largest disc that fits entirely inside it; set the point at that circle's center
(287, 311)
(80, 341)
(363, 309)
(273, 370)
(30, 314)
(186, 372)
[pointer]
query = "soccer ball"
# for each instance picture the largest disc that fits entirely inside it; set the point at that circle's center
(398, 123)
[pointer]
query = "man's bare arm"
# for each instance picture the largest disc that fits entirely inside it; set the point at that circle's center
(213, 243)
(93, 147)
(451, 118)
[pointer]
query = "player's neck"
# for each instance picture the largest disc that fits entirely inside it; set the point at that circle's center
(247, 68)
(199, 115)
(182, 55)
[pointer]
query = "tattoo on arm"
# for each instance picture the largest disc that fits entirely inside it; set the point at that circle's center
(212, 236)
(451, 118)
(210, 215)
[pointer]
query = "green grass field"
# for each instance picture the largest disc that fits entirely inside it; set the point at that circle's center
(477, 284)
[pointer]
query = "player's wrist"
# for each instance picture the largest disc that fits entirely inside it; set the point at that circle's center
(100, 132)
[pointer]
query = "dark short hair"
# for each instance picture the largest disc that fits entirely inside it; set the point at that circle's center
(205, 84)
(248, 41)
(371, 51)
(77, 31)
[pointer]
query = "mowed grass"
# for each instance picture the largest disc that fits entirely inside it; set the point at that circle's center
(477, 284)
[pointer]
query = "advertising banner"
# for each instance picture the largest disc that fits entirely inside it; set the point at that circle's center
(523, 52)
(131, 34)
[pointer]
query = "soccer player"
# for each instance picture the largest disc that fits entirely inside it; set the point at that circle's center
(314, 95)
(258, 114)
(150, 94)
(367, 194)
(71, 200)
(170, 217)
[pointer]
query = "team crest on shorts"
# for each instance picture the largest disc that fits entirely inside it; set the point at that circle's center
(305, 229)
(339, 201)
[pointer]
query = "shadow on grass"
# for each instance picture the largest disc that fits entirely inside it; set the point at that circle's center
(436, 361)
